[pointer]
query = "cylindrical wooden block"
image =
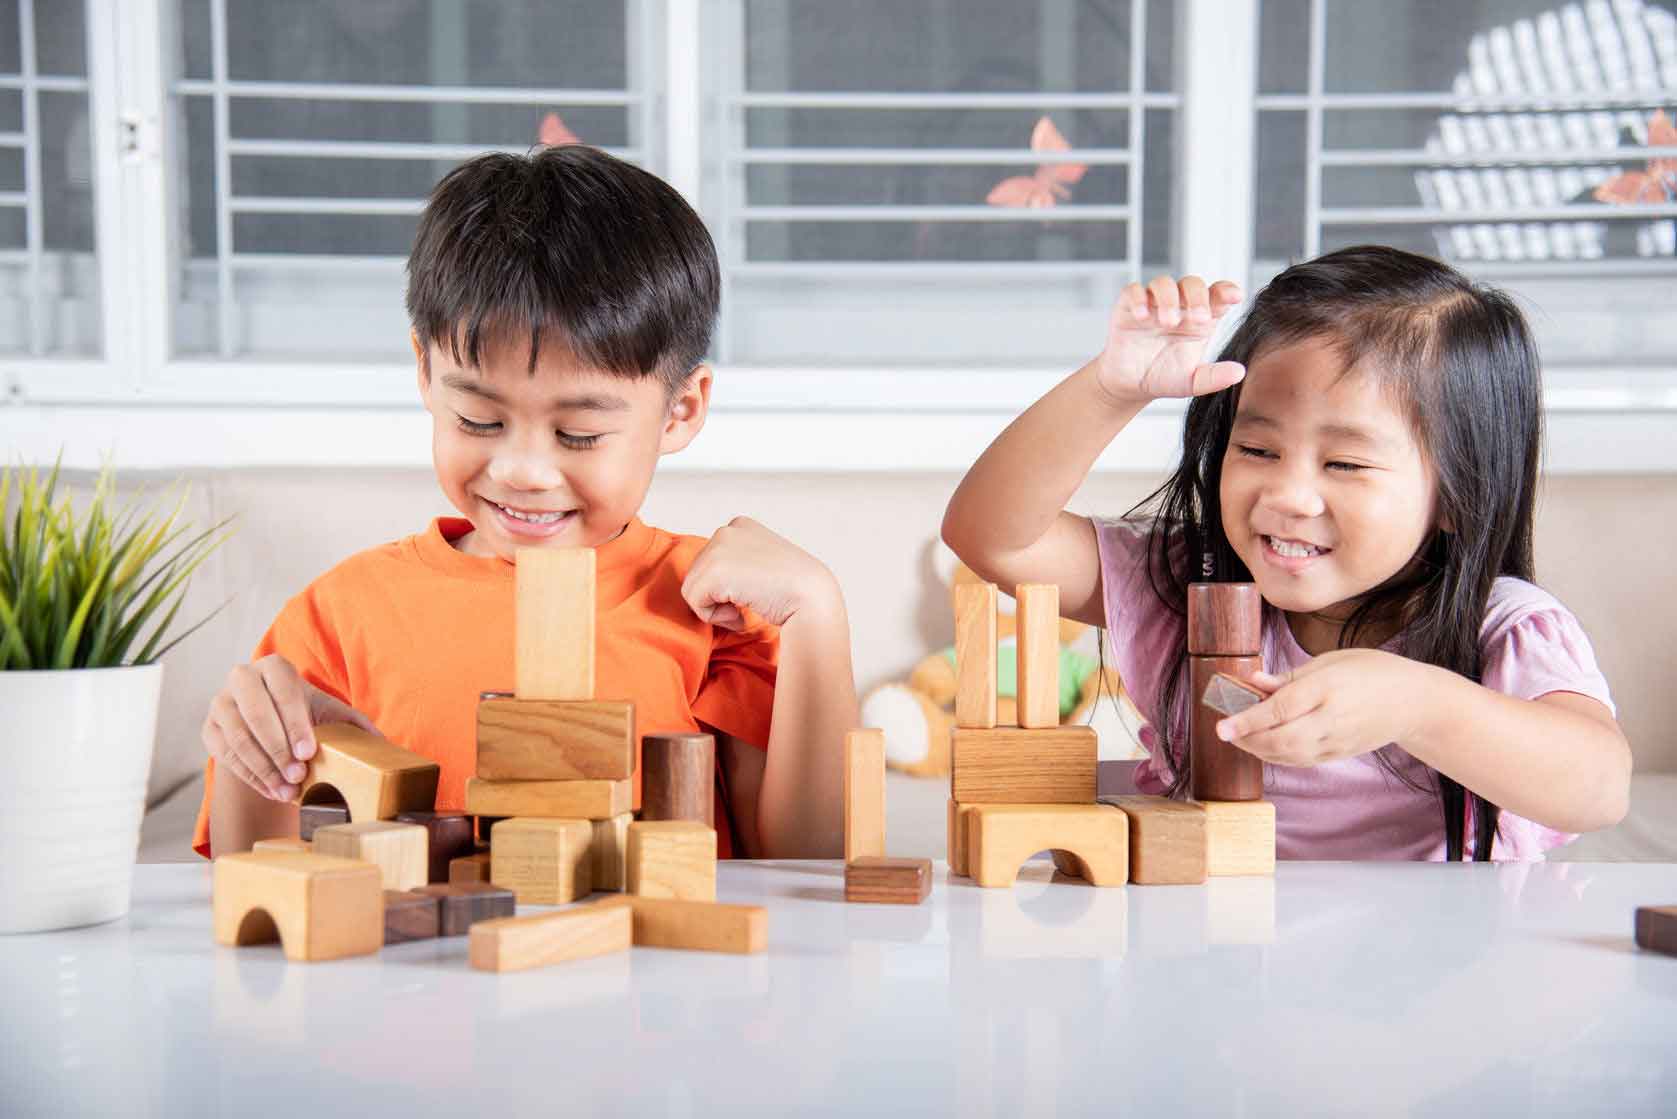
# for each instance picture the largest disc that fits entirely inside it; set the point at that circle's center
(1224, 620)
(1221, 770)
(678, 777)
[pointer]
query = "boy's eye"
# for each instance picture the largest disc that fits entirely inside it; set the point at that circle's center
(473, 427)
(577, 442)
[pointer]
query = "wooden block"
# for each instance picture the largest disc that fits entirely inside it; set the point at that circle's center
(283, 843)
(469, 868)
(410, 916)
(1038, 623)
(462, 904)
(864, 793)
(543, 861)
(1228, 696)
(398, 850)
(1009, 765)
(1167, 840)
(975, 655)
(448, 837)
(320, 908)
(555, 740)
(374, 778)
(671, 859)
(313, 816)
(957, 837)
(1239, 837)
(567, 800)
(516, 943)
(1221, 770)
(1000, 837)
(1224, 620)
(704, 926)
(555, 623)
(610, 848)
(896, 881)
(1656, 928)
(678, 777)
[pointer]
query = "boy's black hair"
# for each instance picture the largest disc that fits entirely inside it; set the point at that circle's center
(1460, 359)
(566, 246)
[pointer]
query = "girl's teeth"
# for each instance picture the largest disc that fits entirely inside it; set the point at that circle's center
(1289, 548)
(542, 519)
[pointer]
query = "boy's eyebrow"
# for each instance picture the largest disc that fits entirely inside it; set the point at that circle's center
(1349, 432)
(588, 402)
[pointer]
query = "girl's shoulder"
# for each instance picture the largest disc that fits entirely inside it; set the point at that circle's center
(1514, 602)
(1531, 644)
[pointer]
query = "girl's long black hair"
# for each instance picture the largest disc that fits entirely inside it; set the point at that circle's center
(1461, 359)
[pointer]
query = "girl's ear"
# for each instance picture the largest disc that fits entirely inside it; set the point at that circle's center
(687, 411)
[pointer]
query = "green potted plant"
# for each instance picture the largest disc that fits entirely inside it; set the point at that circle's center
(88, 602)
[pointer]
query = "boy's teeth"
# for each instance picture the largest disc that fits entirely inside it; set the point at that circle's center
(541, 519)
(1289, 548)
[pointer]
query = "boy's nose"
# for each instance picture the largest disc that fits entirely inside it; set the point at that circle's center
(523, 472)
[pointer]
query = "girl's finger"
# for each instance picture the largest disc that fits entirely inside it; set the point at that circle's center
(1195, 306)
(1282, 707)
(1216, 377)
(1224, 295)
(1163, 296)
(1132, 304)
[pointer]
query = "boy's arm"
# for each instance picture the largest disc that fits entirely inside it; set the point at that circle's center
(239, 815)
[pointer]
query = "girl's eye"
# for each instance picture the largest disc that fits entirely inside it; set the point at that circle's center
(1348, 467)
(1254, 452)
(577, 442)
(472, 427)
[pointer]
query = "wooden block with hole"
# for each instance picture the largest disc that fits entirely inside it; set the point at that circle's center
(469, 868)
(554, 624)
(566, 800)
(518, 943)
(375, 778)
(1000, 837)
(319, 907)
(542, 861)
(1239, 837)
(1168, 840)
(610, 848)
(280, 844)
(864, 793)
(975, 655)
(1010, 765)
(1038, 619)
(555, 740)
(892, 881)
(399, 850)
(702, 926)
(671, 859)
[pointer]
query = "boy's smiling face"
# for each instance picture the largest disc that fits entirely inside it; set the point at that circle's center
(561, 458)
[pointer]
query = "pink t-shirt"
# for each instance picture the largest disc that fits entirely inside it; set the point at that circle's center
(1530, 645)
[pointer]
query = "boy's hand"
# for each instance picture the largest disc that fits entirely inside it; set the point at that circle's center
(261, 725)
(1155, 343)
(747, 567)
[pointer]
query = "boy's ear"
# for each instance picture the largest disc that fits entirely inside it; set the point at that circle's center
(687, 411)
(424, 368)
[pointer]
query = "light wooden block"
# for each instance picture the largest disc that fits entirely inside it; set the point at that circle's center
(1168, 840)
(671, 859)
(864, 793)
(1038, 622)
(279, 844)
(1000, 837)
(1239, 837)
(375, 778)
(893, 881)
(517, 943)
(319, 907)
(555, 740)
(400, 851)
(543, 862)
(1010, 765)
(956, 837)
(704, 926)
(554, 627)
(570, 800)
(975, 655)
(610, 848)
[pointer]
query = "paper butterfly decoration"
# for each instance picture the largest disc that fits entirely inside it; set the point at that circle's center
(1050, 184)
(554, 132)
(1658, 183)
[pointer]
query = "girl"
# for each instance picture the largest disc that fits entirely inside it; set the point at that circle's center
(1365, 450)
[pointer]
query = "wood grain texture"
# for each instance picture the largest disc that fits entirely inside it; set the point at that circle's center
(1038, 638)
(610, 849)
(571, 800)
(1656, 928)
(375, 778)
(542, 861)
(1011, 765)
(448, 837)
(313, 816)
(864, 793)
(1167, 840)
(554, 627)
(518, 943)
(956, 838)
(398, 850)
(462, 904)
(282, 843)
(891, 881)
(704, 926)
(975, 655)
(1224, 620)
(1239, 837)
(410, 916)
(319, 907)
(678, 777)
(555, 740)
(469, 868)
(1221, 770)
(671, 859)
(1000, 837)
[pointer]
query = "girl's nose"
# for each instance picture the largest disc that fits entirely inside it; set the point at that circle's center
(1291, 494)
(523, 470)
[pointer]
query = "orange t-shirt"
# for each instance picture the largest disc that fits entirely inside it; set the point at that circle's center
(411, 632)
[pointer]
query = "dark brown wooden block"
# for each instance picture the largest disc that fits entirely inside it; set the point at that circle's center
(464, 903)
(449, 835)
(312, 816)
(1656, 928)
(410, 916)
(678, 778)
(555, 740)
(469, 868)
(1221, 770)
(1224, 620)
(896, 881)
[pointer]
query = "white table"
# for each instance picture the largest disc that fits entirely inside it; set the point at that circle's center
(1333, 988)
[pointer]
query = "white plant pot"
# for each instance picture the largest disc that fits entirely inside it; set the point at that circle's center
(77, 748)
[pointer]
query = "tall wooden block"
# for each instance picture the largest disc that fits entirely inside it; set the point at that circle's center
(281, 843)
(542, 861)
(469, 868)
(671, 859)
(864, 793)
(555, 623)
(517, 943)
(1009, 765)
(1239, 837)
(319, 907)
(610, 848)
(570, 800)
(1224, 620)
(313, 816)
(555, 740)
(704, 926)
(410, 916)
(1225, 636)
(956, 838)
(463, 904)
(398, 850)
(1038, 619)
(1000, 837)
(678, 777)
(893, 881)
(1167, 840)
(1656, 928)
(975, 655)
(448, 837)
(375, 778)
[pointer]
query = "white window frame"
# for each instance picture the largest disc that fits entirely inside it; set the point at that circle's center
(140, 407)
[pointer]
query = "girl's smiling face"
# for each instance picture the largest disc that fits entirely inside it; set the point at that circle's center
(1326, 493)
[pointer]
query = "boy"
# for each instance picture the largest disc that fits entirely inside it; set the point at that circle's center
(561, 304)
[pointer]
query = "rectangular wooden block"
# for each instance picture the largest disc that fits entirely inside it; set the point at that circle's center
(555, 623)
(543, 861)
(975, 655)
(410, 916)
(463, 904)
(704, 926)
(1000, 837)
(448, 837)
(516, 943)
(610, 848)
(1239, 837)
(398, 850)
(956, 838)
(319, 907)
(313, 816)
(671, 859)
(1228, 696)
(375, 778)
(469, 868)
(1656, 928)
(864, 793)
(895, 881)
(1167, 840)
(283, 843)
(1038, 620)
(555, 740)
(568, 800)
(1011, 765)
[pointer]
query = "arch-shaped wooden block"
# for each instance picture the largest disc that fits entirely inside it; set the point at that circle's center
(1090, 841)
(375, 778)
(320, 907)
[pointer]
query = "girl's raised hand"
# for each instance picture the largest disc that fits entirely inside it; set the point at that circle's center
(1155, 344)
